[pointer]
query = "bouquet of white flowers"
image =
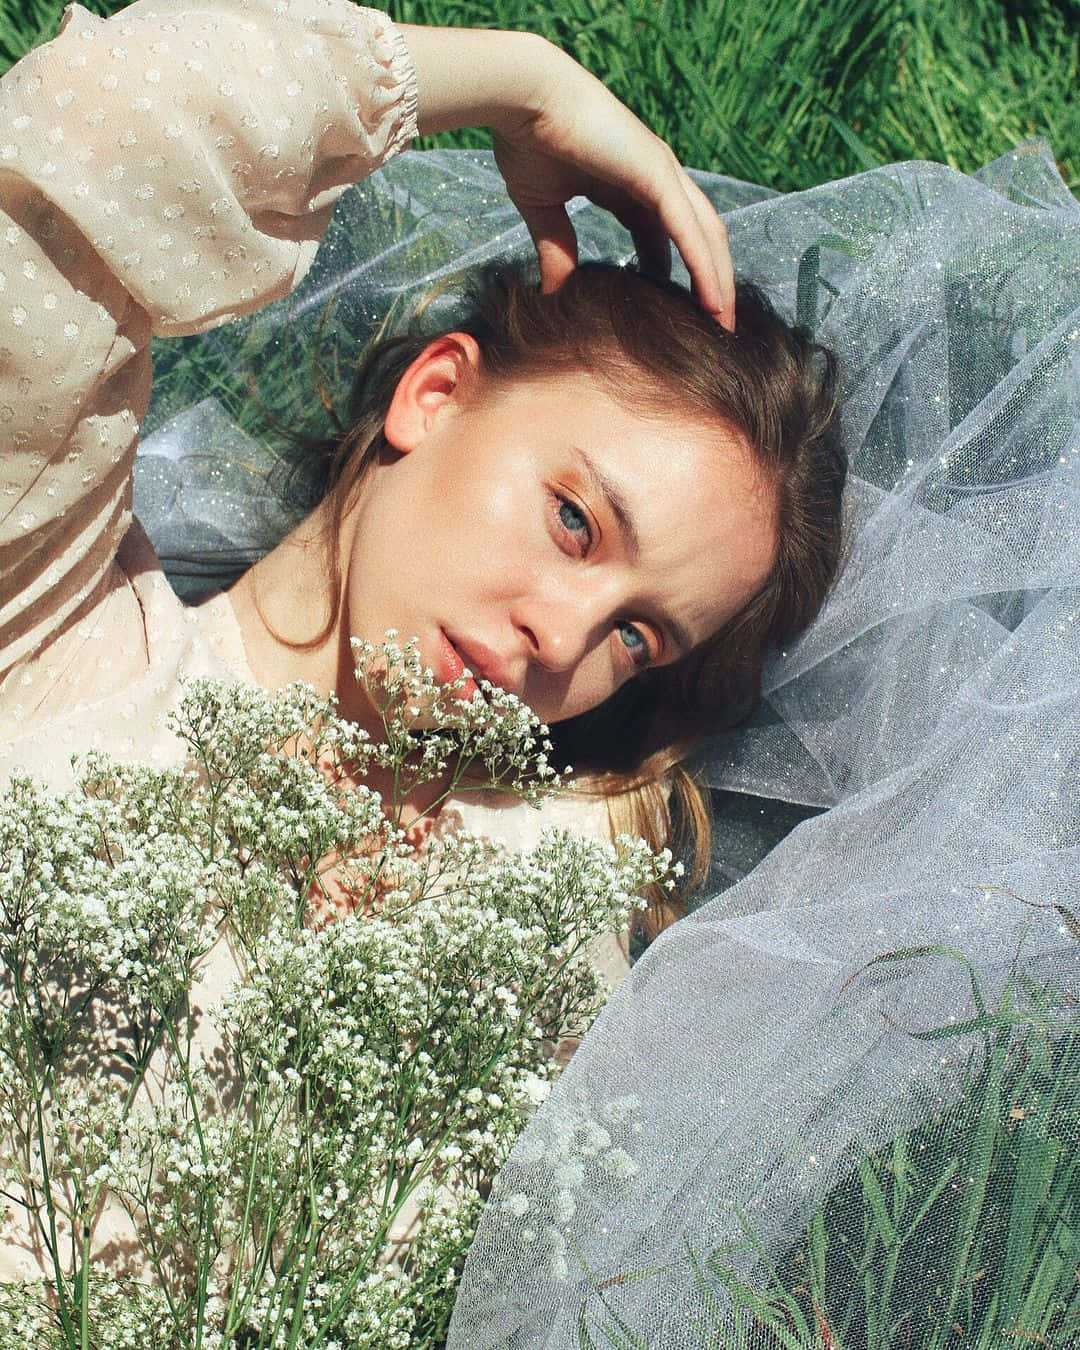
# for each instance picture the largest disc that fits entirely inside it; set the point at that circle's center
(229, 1122)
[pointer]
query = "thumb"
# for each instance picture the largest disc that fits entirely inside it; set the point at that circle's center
(555, 241)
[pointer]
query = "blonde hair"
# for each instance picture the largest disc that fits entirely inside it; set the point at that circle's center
(770, 383)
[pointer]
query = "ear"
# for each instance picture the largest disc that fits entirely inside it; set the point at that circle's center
(443, 374)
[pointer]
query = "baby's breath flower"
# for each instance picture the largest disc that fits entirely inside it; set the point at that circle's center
(356, 1075)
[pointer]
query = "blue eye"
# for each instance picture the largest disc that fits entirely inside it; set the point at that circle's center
(574, 525)
(634, 643)
(573, 519)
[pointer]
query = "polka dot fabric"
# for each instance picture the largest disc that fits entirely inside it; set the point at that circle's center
(163, 172)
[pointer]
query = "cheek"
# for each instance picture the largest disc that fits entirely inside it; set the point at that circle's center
(492, 528)
(595, 679)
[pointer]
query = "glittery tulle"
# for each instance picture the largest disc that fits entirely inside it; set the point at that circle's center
(926, 727)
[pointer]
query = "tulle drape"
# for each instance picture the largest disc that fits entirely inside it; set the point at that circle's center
(762, 1047)
(927, 726)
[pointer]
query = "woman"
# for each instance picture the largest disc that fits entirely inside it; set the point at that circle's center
(201, 155)
(933, 710)
(237, 134)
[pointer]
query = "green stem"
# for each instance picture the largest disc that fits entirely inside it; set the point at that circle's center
(207, 1196)
(37, 1090)
(249, 1198)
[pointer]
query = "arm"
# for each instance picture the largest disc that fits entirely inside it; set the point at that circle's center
(163, 171)
(159, 172)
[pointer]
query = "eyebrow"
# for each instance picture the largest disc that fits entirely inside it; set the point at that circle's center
(620, 509)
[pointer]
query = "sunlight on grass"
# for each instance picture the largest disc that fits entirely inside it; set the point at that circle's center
(962, 1231)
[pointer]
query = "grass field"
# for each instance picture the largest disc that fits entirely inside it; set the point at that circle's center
(789, 92)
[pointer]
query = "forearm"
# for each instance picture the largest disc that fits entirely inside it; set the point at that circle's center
(483, 77)
(559, 133)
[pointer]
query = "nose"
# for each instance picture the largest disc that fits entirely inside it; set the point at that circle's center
(557, 633)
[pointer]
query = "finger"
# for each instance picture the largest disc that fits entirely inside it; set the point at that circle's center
(651, 243)
(701, 237)
(716, 240)
(555, 241)
(679, 211)
(694, 227)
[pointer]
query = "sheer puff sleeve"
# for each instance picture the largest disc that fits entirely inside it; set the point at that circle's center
(160, 173)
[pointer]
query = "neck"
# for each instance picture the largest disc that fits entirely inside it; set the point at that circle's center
(292, 624)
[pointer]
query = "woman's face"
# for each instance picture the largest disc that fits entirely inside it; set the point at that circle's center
(547, 537)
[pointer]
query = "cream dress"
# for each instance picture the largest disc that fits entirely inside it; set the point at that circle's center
(161, 172)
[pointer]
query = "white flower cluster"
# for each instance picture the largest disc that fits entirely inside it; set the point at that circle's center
(489, 740)
(302, 1163)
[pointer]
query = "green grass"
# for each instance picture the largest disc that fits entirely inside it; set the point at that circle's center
(964, 1232)
(790, 92)
(793, 93)
(25, 23)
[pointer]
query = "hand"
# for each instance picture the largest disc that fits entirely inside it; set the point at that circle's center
(559, 133)
(587, 143)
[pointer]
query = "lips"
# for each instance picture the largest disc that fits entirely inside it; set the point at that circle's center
(453, 664)
(460, 654)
